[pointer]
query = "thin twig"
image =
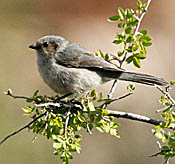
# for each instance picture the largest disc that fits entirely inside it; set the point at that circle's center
(67, 119)
(44, 126)
(166, 94)
(9, 93)
(112, 89)
(116, 99)
(24, 127)
(139, 20)
(157, 153)
(88, 129)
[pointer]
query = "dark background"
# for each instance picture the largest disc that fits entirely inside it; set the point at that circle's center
(83, 22)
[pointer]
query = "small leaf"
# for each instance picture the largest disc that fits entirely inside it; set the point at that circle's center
(101, 53)
(144, 32)
(129, 39)
(139, 4)
(57, 145)
(35, 93)
(130, 87)
(129, 59)
(136, 62)
(128, 12)
(128, 30)
(121, 25)
(172, 82)
(105, 112)
(121, 13)
(100, 129)
(135, 47)
(117, 41)
(93, 93)
(120, 53)
(114, 18)
(140, 56)
(146, 43)
(107, 57)
(145, 38)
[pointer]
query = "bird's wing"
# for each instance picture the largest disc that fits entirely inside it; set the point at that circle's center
(74, 55)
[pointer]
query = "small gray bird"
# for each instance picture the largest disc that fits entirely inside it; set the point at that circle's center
(69, 68)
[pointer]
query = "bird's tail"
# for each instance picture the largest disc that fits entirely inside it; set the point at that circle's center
(142, 78)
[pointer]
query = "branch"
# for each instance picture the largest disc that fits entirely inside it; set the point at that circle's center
(139, 19)
(24, 127)
(136, 117)
(9, 93)
(166, 94)
(112, 89)
(116, 99)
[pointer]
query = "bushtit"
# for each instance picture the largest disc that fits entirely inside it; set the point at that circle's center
(69, 68)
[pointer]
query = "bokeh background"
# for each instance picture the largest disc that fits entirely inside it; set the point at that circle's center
(83, 22)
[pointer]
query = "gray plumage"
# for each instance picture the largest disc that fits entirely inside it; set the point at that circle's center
(69, 68)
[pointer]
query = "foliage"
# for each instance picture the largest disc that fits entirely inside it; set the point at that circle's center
(134, 42)
(63, 119)
(166, 131)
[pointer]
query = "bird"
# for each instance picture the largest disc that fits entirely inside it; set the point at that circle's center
(69, 68)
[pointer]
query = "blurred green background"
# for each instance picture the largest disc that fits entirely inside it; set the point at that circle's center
(83, 22)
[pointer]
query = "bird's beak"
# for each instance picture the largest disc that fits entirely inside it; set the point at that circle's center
(34, 46)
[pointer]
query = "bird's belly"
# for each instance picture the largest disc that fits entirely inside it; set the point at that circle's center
(65, 80)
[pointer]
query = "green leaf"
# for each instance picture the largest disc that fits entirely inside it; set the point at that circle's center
(139, 4)
(120, 53)
(140, 56)
(101, 53)
(57, 145)
(128, 30)
(129, 59)
(128, 12)
(93, 93)
(107, 57)
(100, 129)
(172, 82)
(129, 39)
(131, 87)
(117, 41)
(135, 47)
(121, 13)
(121, 25)
(136, 62)
(144, 32)
(105, 112)
(35, 93)
(114, 18)
(145, 38)
(147, 43)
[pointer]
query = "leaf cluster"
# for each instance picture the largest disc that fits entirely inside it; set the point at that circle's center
(134, 43)
(166, 131)
(64, 120)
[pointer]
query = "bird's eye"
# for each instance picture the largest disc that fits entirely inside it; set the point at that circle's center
(45, 44)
